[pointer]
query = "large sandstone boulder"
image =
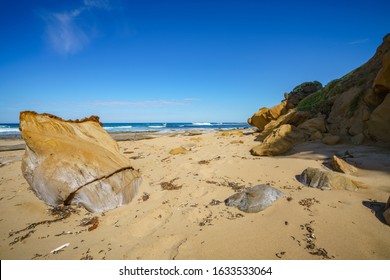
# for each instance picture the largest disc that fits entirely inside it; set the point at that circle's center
(327, 180)
(280, 141)
(75, 162)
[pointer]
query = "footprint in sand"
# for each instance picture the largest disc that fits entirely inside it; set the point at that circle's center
(163, 247)
(150, 222)
(196, 214)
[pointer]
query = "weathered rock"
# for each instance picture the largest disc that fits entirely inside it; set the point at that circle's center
(75, 162)
(331, 139)
(316, 135)
(231, 133)
(178, 151)
(382, 80)
(296, 118)
(259, 119)
(262, 117)
(310, 127)
(378, 124)
(292, 117)
(358, 139)
(342, 166)
(326, 180)
(279, 141)
(254, 199)
(356, 128)
(271, 126)
(386, 213)
(372, 98)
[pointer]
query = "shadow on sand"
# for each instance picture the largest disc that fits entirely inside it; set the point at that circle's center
(378, 208)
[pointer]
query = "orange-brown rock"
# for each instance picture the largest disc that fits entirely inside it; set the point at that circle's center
(312, 125)
(382, 80)
(178, 151)
(280, 141)
(331, 139)
(75, 162)
(378, 124)
(342, 166)
(262, 117)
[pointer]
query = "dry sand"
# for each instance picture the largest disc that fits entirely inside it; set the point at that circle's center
(190, 223)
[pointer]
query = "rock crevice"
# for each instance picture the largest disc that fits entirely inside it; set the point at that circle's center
(75, 162)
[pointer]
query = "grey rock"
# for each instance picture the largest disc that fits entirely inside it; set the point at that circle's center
(331, 139)
(358, 139)
(326, 180)
(254, 199)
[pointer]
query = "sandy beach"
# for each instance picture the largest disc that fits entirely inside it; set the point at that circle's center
(179, 211)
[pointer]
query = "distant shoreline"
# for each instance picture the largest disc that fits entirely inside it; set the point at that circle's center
(11, 130)
(17, 143)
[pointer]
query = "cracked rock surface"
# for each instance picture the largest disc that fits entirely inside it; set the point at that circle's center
(75, 162)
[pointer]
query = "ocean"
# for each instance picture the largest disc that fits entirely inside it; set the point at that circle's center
(12, 129)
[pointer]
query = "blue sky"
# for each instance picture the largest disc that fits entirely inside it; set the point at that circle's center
(168, 61)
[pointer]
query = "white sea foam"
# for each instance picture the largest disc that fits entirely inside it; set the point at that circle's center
(117, 128)
(4, 129)
(201, 123)
(156, 126)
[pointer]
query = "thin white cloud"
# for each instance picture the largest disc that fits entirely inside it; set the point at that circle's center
(64, 35)
(357, 42)
(101, 4)
(191, 99)
(64, 31)
(145, 103)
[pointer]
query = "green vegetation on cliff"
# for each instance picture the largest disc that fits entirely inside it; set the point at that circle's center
(313, 102)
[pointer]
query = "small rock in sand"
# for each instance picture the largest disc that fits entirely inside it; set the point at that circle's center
(326, 180)
(342, 166)
(254, 199)
(178, 151)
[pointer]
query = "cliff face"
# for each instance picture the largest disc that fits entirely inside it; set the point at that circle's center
(355, 107)
(75, 162)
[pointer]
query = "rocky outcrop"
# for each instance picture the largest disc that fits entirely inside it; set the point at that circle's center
(300, 92)
(313, 128)
(382, 80)
(262, 117)
(75, 162)
(293, 118)
(378, 124)
(342, 166)
(327, 180)
(255, 199)
(280, 141)
(352, 109)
